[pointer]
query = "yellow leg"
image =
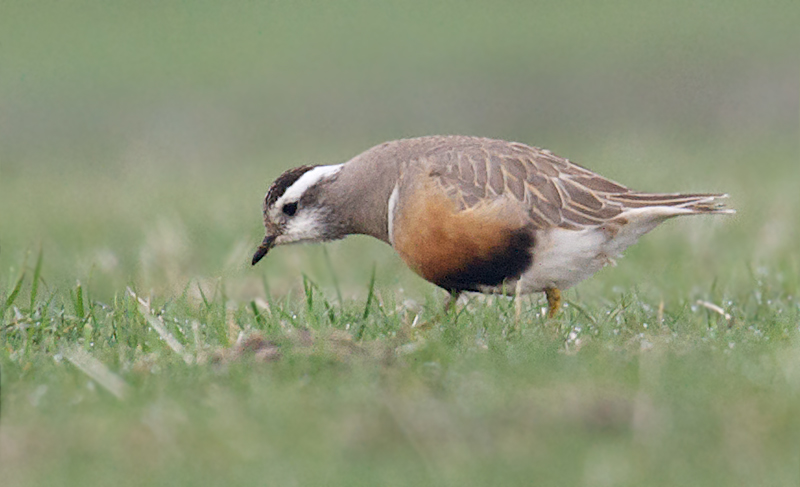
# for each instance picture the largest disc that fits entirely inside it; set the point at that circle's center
(553, 301)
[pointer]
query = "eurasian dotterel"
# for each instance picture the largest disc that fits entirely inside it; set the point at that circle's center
(473, 214)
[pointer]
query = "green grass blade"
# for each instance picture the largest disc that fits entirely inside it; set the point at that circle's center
(37, 273)
(582, 311)
(331, 312)
(370, 294)
(308, 287)
(14, 293)
(335, 278)
(257, 315)
(79, 310)
(203, 296)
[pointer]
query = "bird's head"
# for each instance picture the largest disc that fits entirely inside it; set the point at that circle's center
(296, 208)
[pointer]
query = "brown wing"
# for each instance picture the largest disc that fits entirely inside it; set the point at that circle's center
(554, 191)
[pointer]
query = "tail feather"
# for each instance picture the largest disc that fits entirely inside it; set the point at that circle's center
(695, 203)
(646, 211)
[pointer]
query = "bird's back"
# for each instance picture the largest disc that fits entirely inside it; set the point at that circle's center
(468, 206)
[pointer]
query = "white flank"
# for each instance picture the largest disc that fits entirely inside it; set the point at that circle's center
(390, 211)
(640, 221)
(310, 178)
(563, 258)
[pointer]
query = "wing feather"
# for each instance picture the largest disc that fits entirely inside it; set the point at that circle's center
(554, 191)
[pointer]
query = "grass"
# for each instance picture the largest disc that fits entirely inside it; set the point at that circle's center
(616, 392)
(678, 366)
(138, 347)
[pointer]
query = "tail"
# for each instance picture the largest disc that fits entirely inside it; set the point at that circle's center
(675, 203)
(645, 211)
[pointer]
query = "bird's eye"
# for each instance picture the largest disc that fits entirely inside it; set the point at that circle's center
(290, 209)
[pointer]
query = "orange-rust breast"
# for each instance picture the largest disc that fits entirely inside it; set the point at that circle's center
(461, 250)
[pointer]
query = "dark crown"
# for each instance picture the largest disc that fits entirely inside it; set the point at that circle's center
(283, 183)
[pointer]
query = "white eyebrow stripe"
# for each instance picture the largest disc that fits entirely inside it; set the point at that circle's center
(295, 191)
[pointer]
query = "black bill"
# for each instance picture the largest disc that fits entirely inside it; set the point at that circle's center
(262, 250)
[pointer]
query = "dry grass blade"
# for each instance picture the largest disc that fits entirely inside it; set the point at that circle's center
(158, 325)
(97, 371)
(716, 309)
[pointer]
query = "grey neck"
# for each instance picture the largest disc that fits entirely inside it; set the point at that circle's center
(359, 195)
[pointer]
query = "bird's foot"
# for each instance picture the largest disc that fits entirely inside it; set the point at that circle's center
(553, 301)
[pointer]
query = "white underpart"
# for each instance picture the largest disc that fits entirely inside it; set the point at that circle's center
(563, 258)
(310, 178)
(640, 221)
(390, 211)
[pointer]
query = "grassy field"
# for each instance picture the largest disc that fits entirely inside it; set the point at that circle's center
(138, 347)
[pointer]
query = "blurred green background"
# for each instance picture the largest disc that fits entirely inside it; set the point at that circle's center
(137, 140)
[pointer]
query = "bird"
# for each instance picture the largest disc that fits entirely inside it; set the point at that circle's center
(474, 214)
